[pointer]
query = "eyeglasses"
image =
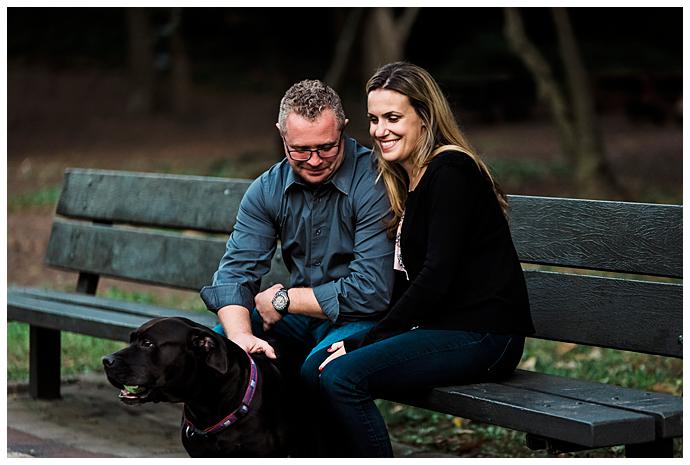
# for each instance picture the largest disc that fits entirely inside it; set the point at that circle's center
(324, 151)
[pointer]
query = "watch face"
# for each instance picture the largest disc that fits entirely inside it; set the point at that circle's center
(280, 301)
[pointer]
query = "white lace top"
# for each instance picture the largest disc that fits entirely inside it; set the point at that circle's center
(397, 262)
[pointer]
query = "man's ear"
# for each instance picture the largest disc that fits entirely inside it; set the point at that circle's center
(216, 355)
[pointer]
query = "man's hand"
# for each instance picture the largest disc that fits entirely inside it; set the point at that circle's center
(264, 306)
(252, 344)
(238, 328)
(337, 349)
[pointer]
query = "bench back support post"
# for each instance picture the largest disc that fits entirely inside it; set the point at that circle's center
(44, 363)
(45, 350)
(87, 283)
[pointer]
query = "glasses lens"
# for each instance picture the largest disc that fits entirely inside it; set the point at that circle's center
(300, 155)
(328, 152)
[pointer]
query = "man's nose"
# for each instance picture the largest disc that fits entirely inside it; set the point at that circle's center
(314, 160)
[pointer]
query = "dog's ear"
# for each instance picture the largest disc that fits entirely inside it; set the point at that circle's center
(214, 349)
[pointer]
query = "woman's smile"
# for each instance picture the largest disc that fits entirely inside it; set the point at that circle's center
(387, 145)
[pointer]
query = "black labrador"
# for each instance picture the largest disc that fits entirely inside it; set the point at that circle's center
(233, 404)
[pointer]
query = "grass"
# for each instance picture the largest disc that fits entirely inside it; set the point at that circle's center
(517, 172)
(418, 427)
(80, 354)
(44, 197)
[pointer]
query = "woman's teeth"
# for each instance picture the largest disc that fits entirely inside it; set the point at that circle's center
(388, 144)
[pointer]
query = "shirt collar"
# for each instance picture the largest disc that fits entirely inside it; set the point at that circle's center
(341, 179)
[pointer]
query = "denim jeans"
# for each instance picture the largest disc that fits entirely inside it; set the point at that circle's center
(297, 338)
(414, 361)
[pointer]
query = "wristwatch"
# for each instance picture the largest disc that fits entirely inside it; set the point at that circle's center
(281, 301)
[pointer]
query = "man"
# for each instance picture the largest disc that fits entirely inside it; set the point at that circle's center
(324, 205)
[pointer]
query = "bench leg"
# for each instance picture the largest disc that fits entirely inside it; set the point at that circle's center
(44, 363)
(658, 448)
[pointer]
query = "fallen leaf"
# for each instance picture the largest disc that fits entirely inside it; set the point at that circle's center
(664, 387)
(594, 354)
(563, 348)
(529, 364)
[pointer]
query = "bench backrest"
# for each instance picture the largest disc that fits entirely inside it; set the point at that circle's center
(171, 230)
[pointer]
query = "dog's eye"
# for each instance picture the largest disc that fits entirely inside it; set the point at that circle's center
(145, 343)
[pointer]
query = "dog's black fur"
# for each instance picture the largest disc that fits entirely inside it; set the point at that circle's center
(178, 360)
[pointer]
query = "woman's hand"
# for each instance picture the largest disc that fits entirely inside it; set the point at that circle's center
(337, 349)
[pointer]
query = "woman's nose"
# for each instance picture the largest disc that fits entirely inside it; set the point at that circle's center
(380, 130)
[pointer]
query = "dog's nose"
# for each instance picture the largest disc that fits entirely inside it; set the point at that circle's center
(108, 361)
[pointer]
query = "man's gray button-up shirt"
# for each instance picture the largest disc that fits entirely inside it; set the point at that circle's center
(333, 239)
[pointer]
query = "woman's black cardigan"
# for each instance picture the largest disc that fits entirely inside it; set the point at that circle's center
(462, 265)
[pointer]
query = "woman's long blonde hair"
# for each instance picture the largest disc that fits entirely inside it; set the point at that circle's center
(442, 132)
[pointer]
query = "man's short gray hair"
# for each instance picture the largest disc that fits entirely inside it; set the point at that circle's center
(308, 99)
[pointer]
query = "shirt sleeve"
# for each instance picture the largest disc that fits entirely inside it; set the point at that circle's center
(366, 290)
(451, 199)
(248, 254)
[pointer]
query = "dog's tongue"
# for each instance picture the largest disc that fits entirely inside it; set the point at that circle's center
(132, 389)
(130, 392)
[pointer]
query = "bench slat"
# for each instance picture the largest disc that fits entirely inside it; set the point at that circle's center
(187, 202)
(174, 260)
(103, 303)
(583, 423)
(640, 316)
(644, 315)
(666, 408)
(74, 318)
(601, 235)
(83, 319)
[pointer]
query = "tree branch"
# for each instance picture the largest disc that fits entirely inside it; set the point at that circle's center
(342, 48)
(547, 86)
(406, 22)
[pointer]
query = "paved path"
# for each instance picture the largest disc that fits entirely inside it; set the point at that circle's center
(89, 421)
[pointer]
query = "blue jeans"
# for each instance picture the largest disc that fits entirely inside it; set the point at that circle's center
(411, 362)
(296, 338)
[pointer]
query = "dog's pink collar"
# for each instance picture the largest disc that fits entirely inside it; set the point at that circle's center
(191, 430)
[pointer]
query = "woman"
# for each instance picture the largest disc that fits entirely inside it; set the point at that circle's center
(460, 311)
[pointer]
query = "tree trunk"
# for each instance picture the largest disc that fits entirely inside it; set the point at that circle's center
(574, 117)
(593, 173)
(140, 100)
(343, 46)
(547, 86)
(180, 73)
(385, 37)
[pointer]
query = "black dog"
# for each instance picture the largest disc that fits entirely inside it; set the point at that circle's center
(233, 402)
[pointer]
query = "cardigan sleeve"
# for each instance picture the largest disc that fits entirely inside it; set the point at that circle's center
(451, 195)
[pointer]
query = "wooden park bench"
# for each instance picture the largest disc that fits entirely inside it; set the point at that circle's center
(171, 230)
